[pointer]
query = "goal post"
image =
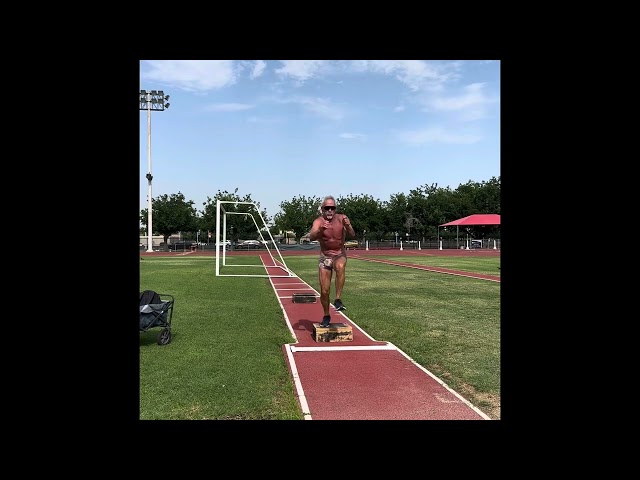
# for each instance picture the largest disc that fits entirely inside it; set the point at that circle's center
(221, 216)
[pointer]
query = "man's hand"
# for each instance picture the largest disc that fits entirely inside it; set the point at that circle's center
(325, 224)
(347, 226)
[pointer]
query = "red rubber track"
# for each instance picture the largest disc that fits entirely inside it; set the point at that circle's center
(364, 379)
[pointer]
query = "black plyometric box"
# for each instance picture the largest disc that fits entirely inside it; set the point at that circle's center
(303, 298)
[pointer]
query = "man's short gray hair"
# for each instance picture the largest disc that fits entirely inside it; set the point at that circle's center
(329, 197)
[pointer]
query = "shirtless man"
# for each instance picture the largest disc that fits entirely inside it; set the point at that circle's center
(330, 229)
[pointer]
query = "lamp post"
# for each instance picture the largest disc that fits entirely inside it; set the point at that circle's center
(153, 100)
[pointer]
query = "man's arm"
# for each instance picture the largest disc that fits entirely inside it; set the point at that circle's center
(347, 225)
(315, 232)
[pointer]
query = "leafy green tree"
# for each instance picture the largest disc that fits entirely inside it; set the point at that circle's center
(464, 200)
(171, 214)
(424, 207)
(417, 220)
(394, 215)
(365, 214)
(487, 196)
(298, 214)
(445, 205)
(439, 210)
(419, 213)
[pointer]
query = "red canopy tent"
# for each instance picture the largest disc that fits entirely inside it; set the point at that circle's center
(476, 219)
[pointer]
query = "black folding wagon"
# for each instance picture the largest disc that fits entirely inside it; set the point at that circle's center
(156, 310)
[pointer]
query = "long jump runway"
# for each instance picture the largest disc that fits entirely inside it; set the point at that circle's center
(363, 379)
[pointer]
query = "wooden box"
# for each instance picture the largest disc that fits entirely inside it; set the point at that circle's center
(303, 298)
(335, 332)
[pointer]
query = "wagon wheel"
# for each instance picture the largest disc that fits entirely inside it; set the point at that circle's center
(164, 336)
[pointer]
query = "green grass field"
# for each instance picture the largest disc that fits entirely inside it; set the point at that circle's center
(226, 360)
(484, 265)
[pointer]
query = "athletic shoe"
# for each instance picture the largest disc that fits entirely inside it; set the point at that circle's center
(325, 321)
(338, 305)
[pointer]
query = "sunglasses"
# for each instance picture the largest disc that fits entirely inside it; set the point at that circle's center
(328, 208)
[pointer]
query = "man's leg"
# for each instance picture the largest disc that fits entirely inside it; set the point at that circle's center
(325, 286)
(340, 265)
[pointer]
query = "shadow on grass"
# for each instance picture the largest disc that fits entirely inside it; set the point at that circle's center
(149, 337)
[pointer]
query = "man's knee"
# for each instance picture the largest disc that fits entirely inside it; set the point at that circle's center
(340, 264)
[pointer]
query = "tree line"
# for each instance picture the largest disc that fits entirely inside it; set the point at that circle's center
(413, 216)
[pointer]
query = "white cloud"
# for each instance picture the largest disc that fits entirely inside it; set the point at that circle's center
(318, 106)
(470, 98)
(355, 136)
(321, 107)
(258, 69)
(229, 107)
(436, 135)
(300, 70)
(204, 75)
(399, 108)
(416, 74)
(190, 75)
(471, 104)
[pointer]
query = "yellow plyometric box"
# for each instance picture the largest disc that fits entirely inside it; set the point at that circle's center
(335, 332)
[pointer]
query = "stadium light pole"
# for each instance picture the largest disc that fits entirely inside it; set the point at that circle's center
(153, 100)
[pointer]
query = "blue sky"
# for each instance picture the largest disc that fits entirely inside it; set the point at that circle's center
(278, 129)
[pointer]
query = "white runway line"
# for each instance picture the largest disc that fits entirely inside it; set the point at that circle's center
(285, 289)
(388, 346)
(299, 389)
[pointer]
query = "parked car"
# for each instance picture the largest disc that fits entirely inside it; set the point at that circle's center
(351, 244)
(476, 243)
(249, 244)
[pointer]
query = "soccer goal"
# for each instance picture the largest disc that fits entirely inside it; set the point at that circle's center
(220, 243)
